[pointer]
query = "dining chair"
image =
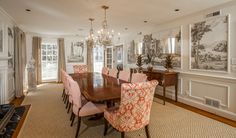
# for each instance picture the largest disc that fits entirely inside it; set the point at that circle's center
(82, 108)
(134, 110)
(124, 75)
(65, 84)
(113, 73)
(105, 70)
(80, 68)
(138, 77)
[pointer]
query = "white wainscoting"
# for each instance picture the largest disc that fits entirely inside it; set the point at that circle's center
(194, 88)
(199, 90)
(7, 89)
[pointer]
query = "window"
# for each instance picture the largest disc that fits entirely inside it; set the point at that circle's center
(49, 61)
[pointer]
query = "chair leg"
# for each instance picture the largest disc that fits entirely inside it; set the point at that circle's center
(66, 97)
(78, 127)
(147, 131)
(106, 127)
(72, 119)
(63, 93)
(122, 134)
(69, 108)
(71, 116)
(67, 103)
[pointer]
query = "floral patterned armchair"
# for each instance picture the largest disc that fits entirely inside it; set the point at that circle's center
(134, 110)
(80, 68)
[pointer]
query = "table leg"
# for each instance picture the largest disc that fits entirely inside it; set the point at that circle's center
(164, 95)
(176, 92)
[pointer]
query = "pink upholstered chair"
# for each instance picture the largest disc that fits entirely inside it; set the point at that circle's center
(80, 107)
(138, 77)
(105, 70)
(80, 68)
(134, 110)
(65, 84)
(124, 75)
(113, 73)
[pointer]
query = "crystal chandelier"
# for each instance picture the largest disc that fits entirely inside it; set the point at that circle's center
(104, 36)
(91, 38)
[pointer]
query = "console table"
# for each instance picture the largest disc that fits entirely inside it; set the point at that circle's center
(164, 78)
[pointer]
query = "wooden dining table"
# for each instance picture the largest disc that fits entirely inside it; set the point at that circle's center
(97, 87)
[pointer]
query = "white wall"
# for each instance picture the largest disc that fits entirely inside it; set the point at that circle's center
(194, 86)
(7, 88)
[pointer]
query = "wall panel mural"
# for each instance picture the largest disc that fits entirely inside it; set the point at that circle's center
(131, 57)
(209, 44)
(153, 45)
(77, 52)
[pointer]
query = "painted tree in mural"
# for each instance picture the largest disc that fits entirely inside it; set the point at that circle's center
(197, 32)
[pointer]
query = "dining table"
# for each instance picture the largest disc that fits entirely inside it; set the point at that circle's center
(97, 87)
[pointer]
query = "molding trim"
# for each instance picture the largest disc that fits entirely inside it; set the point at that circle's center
(207, 75)
(220, 112)
(7, 15)
(213, 84)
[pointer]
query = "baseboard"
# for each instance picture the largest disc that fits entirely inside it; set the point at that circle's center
(219, 112)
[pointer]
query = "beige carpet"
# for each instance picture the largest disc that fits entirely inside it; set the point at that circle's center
(47, 118)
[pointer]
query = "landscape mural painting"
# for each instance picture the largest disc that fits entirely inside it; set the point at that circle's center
(77, 52)
(209, 44)
(131, 57)
(153, 45)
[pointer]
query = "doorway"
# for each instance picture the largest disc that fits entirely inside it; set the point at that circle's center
(98, 58)
(49, 61)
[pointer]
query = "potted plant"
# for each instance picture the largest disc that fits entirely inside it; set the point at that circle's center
(139, 62)
(149, 63)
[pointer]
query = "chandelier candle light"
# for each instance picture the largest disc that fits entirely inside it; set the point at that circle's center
(90, 38)
(105, 37)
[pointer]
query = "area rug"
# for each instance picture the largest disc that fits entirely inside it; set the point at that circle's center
(48, 119)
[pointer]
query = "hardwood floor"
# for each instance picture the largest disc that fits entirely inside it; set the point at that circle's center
(17, 101)
(199, 111)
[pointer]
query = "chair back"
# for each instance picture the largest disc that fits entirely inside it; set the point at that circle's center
(105, 70)
(138, 77)
(124, 75)
(80, 68)
(113, 73)
(136, 103)
(76, 94)
(63, 76)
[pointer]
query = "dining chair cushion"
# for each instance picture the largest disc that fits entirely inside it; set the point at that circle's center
(80, 68)
(89, 109)
(113, 73)
(124, 75)
(138, 77)
(135, 107)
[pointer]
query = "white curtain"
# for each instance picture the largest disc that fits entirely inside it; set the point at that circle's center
(36, 52)
(61, 57)
(20, 60)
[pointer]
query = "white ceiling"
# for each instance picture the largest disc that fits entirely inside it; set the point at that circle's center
(65, 17)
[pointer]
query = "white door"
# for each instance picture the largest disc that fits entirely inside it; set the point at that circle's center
(98, 58)
(109, 57)
(49, 61)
